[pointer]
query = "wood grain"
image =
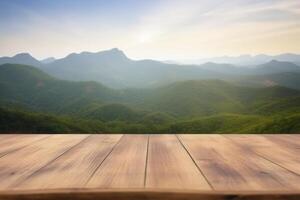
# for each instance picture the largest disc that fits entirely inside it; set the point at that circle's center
(18, 165)
(75, 167)
(289, 142)
(170, 166)
(125, 166)
(228, 166)
(149, 167)
(12, 143)
(273, 149)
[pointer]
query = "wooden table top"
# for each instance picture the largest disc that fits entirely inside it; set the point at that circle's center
(218, 166)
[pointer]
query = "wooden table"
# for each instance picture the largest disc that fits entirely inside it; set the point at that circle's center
(149, 166)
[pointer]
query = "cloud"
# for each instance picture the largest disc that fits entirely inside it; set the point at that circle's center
(161, 29)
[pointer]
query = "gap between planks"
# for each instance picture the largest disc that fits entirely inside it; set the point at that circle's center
(198, 167)
(146, 165)
(109, 153)
(146, 158)
(263, 156)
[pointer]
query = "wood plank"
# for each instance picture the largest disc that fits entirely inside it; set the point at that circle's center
(291, 142)
(285, 141)
(8, 136)
(11, 143)
(18, 165)
(125, 166)
(236, 164)
(170, 166)
(228, 166)
(142, 194)
(74, 168)
(278, 151)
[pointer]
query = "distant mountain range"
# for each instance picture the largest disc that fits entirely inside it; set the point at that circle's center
(244, 60)
(111, 93)
(114, 69)
(270, 67)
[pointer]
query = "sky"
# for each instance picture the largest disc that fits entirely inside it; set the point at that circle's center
(156, 29)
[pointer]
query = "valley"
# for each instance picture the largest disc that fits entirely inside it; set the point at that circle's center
(209, 98)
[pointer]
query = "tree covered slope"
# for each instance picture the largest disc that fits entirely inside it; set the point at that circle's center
(183, 106)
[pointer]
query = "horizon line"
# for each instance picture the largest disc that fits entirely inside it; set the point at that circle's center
(124, 52)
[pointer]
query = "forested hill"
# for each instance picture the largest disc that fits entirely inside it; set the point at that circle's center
(39, 102)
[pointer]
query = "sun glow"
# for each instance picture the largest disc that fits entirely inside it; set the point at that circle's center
(148, 36)
(145, 37)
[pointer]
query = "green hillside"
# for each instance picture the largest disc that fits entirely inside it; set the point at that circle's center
(17, 121)
(193, 98)
(39, 103)
(287, 79)
(37, 90)
(202, 98)
(111, 112)
(235, 123)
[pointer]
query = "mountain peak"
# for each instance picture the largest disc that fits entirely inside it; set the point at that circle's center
(21, 58)
(116, 50)
(277, 62)
(113, 51)
(275, 66)
(23, 55)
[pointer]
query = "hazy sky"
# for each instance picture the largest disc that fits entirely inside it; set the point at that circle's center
(159, 29)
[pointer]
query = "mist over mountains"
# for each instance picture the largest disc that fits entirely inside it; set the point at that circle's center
(107, 92)
(245, 60)
(114, 69)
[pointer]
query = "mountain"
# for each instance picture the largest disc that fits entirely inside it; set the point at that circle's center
(225, 69)
(275, 66)
(22, 58)
(38, 102)
(194, 98)
(48, 60)
(34, 88)
(288, 57)
(207, 97)
(286, 79)
(271, 67)
(115, 69)
(245, 60)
